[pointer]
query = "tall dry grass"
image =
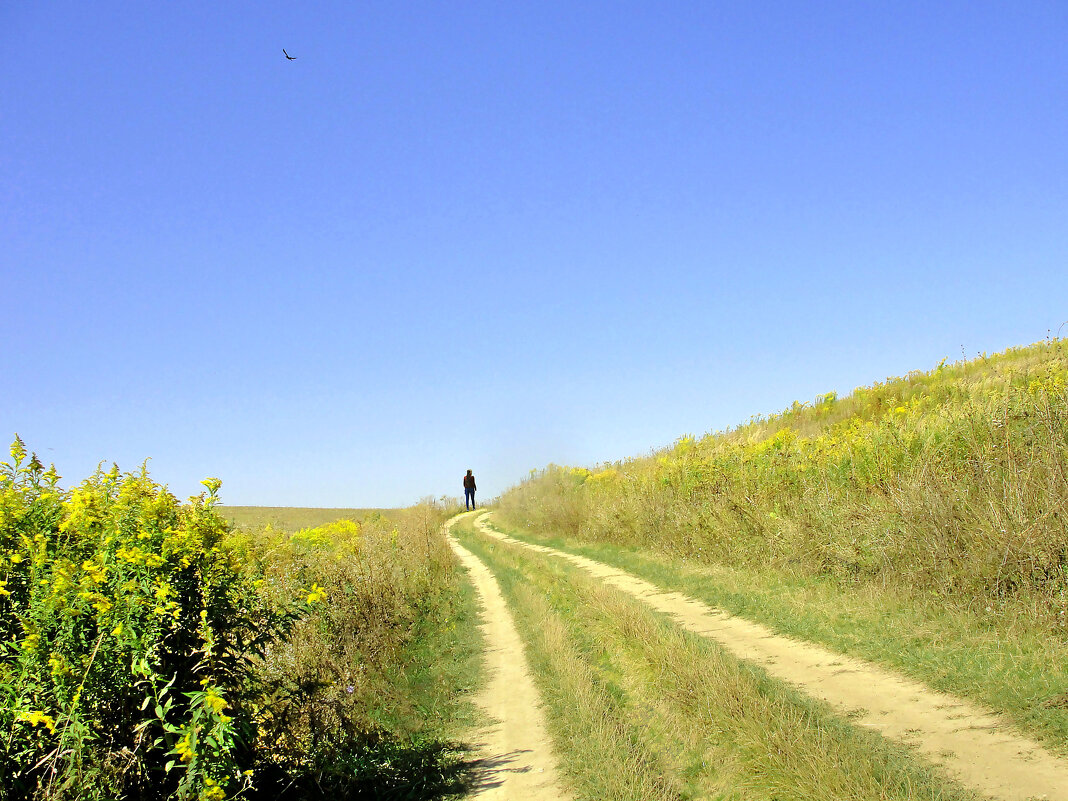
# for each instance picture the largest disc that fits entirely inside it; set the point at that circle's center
(953, 480)
(352, 708)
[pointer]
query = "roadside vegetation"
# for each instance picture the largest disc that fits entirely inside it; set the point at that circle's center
(920, 522)
(148, 652)
(642, 710)
(289, 518)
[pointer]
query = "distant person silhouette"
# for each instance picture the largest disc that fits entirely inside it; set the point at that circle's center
(469, 490)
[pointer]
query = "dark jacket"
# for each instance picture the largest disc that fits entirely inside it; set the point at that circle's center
(469, 482)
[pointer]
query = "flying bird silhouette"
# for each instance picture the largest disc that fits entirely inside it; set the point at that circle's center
(291, 58)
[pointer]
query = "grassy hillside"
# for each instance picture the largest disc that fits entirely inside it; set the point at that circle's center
(952, 481)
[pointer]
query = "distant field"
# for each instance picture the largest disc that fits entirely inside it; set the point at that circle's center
(290, 518)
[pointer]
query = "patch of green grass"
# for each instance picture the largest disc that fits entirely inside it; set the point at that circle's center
(603, 755)
(643, 710)
(383, 767)
(997, 657)
(440, 668)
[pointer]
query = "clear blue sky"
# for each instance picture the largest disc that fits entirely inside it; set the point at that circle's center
(494, 235)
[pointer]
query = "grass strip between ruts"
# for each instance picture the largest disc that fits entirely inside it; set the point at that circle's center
(644, 710)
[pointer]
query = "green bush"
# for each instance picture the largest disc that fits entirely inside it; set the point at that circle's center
(129, 635)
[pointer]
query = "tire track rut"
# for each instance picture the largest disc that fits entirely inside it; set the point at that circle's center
(517, 761)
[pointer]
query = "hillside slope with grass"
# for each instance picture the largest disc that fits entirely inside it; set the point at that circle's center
(918, 523)
(955, 480)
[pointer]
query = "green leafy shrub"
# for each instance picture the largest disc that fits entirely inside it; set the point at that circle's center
(149, 652)
(129, 637)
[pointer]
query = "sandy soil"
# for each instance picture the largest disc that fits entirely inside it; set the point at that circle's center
(517, 761)
(975, 746)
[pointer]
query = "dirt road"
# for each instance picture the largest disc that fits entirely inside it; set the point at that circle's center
(974, 745)
(517, 761)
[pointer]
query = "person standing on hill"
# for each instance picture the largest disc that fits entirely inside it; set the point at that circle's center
(469, 490)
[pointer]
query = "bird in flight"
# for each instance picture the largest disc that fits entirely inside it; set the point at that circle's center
(291, 58)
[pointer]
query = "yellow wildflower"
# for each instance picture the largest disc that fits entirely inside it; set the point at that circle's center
(184, 748)
(215, 702)
(35, 718)
(58, 665)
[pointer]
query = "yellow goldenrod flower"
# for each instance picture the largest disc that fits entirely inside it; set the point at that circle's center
(215, 702)
(184, 749)
(35, 718)
(58, 665)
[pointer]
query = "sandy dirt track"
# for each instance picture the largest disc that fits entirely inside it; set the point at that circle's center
(973, 745)
(516, 759)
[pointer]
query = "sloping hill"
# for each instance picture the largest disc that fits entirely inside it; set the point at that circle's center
(953, 480)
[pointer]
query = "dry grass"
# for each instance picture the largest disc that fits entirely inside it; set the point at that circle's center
(371, 689)
(290, 518)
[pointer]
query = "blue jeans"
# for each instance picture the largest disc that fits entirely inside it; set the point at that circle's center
(469, 498)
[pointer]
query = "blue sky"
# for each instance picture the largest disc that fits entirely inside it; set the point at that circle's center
(494, 235)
